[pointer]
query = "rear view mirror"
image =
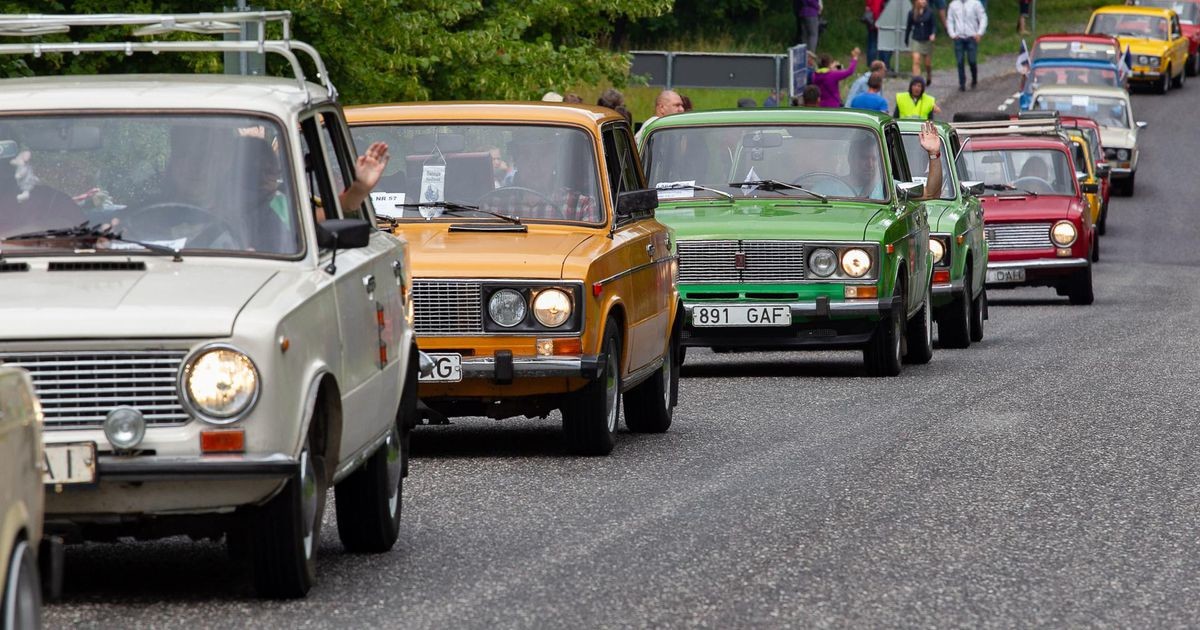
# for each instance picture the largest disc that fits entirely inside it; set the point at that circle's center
(991, 159)
(1090, 188)
(1103, 169)
(444, 142)
(1080, 175)
(910, 190)
(632, 203)
(1141, 124)
(344, 233)
(61, 137)
(761, 139)
(972, 188)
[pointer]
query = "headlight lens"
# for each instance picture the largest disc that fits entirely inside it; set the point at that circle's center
(1122, 154)
(937, 249)
(507, 308)
(221, 383)
(1143, 59)
(822, 262)
(552, 307)
(1063, 233)
(1154, 61)
(856, 263)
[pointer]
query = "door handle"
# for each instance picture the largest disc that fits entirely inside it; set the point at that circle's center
(650, 250)
(369, 284)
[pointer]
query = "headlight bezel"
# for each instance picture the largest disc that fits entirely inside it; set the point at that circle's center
(944, 241)
(193, 408)
(871, 265)
(529, 289)
(1074, 233)
(520, 299)
(550, 291)
(833, 269)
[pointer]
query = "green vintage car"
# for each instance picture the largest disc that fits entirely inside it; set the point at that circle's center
(797, 228)
(956, 240)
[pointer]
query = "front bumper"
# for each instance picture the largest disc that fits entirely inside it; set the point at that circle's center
(153, 468)
(819, 323)
(1039, 271)
(503, 367)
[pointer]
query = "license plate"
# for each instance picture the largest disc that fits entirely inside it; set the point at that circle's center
(762, 315)
(447, 368)
(1005, 276)
(69, 463)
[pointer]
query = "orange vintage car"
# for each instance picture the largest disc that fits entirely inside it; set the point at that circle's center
(541, 279)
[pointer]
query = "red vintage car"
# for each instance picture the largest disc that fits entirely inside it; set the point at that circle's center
(1077, 46)
(1091, 129)
(1036, 220)
(1189, 21)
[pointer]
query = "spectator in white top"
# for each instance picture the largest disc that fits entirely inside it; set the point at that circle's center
(966, 22)
(668, 102)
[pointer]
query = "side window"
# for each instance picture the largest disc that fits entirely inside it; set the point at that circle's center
(316, 173)
(631, 177)
(1175, 32)
(895, 147)
(338, 160)
(612, 160)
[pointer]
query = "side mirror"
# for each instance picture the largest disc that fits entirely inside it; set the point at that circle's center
(1141, 124)
(1080, 176)
(634, 202)
(1090, 188)
(910, 190)
(344, 233)
(1104, 169)
(972, 188)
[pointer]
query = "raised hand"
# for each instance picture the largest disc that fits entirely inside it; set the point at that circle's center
(930, 141)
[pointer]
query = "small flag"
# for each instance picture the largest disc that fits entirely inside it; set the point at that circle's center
(750, 177)
(1023, 59)
(1126, 64)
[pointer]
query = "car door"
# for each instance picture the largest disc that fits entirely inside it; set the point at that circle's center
(646, 248)
(974, 211)
(1179, 45)
(20, 467)
(915, 245)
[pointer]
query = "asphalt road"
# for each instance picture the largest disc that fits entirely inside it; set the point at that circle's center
(1046, 477)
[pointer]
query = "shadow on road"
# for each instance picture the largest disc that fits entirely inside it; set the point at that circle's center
(504, 438)
(145, 572)
(1024, 301)
(732, 367)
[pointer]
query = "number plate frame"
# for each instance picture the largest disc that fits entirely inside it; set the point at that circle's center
(447, 368)
(1015, 275)
(78, 457)
(738, 316)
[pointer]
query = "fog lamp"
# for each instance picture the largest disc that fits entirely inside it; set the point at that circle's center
(125, 428)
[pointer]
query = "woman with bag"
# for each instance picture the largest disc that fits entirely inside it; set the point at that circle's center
(921, 29)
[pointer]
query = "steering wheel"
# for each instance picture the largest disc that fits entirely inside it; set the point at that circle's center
(1033, 183)
(509, 194)
(160, 221)
(816, 182)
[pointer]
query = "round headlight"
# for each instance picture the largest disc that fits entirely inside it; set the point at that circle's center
(856, 263)
(124, 427)
(221, 383)
(1154, 61)
(1122, 154)
(822, 262)
(507, 308)
(937, 250)
(1063, 233)
(552, 307)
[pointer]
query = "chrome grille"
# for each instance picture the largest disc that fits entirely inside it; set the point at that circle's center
(78, 390)
(447, 307)
(736, 262)
(1002, 236)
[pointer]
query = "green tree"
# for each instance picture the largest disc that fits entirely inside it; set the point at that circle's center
(394, 50)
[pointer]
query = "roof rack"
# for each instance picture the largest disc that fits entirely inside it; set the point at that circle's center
(149, 25)
(1042, 123)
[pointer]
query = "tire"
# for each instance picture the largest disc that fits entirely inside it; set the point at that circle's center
(590, 415)
(1193, 65)
(1079, 291)
(954, 327)
(1165, 83)
(21, 608)
(882, 353)
(1177, 82)
(284, 534)
(368, 502)
(650, 406)
(978, 314)
(1102, 226)
(918, 335)
(1096, 248)
(1129, 185)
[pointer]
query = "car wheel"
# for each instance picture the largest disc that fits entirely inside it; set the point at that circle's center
(918, 335)
(1079, 291)
(1177, 82)
(368, 502)
(650, 405)
(1164, 82)
(590, 415)
(1096, 248)
(1103, 224)
(882, 353)
(22, 604)
(285, 532)
(1193, 65)
(978, 314)
(954, 327)
(1129, 185)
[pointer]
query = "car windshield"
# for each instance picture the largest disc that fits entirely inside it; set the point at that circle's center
(831, 161)
(1067, 75)
(1088, 135)
(1106, 111)
(531, 172)
(187, 183)
(918, 164)
(1096, 51)
(1020, 171)
(1189, 12)
(1129, 25)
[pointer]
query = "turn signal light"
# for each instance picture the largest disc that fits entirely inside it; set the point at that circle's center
(1064, 252)
(941, 276)
(223, 441)
(860, 292)
(570, 345)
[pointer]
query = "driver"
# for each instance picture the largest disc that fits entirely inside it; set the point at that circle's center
(1035, 167)
(538, 169)
(866, 179)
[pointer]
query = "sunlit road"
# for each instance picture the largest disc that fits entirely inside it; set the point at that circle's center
(1046, 477)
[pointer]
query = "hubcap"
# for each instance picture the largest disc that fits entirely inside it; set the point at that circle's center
(928, 324)
(610, 389)
(666, 375)
(393, 469)
(308, 500)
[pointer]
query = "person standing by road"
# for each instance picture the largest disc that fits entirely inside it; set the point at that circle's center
(808, 22)
(1026, 6)
(921, 29)
(870, 17)
(916, 103)
(828, 79)
(860, 84)
(668, 102)
(966, 22)
(872, 98)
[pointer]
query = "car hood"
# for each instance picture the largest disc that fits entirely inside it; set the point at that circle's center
(165, 300)
(760, 219)
(539, 253)
(1118, 137)
(1016, 208)
(1141, 46)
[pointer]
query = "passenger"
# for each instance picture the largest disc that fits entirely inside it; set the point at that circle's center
(30, 207)
(260, 206)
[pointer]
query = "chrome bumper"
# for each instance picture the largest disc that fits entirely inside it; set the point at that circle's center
(954, 287)
(165, 468)
(815, 308)
(1041, 263)
(503, 367)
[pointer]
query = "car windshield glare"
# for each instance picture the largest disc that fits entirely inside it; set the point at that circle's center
(188, 183)
(918, 164)
(530, 172)
(1067, 75)
(1130, 25)
(1188, 11)
(1039, 171)
(1106, 111)
(834, 161)
(1096, 51)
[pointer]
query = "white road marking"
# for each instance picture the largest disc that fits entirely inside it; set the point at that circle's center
(1009, 101)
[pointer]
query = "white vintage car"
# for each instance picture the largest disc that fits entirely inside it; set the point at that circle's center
(215, 339)
(20, 501)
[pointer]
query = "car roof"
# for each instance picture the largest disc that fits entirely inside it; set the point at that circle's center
(913, 125)
(1135, 10)
(1079, 121)
(485, 111)
(1074, 63)
(1014, 141)
(191, 92)
(1078, 37)
(775, 115)
(1083, 90)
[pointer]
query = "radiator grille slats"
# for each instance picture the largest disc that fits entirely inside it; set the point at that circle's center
(447, 307)
(1007, 236)
(77, 390)
(739, 262)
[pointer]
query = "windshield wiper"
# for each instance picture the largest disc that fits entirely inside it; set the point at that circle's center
(1009, 187)
(453, 208)
(86, 231)
(696, 187)
(772, 185)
